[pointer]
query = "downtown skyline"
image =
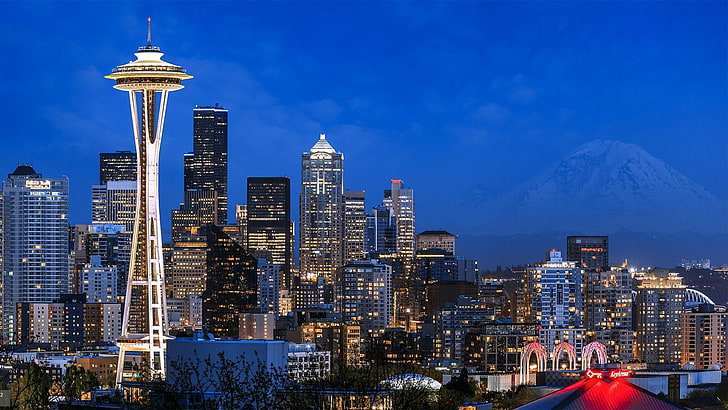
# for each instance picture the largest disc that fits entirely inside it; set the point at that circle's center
(443, 96)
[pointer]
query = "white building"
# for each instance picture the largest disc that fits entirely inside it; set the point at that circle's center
(365, 295)
(321, 209)
(35, 252)
(99, 283)
(301, 361)
(269, 286)
(305, 362)
(553, 293)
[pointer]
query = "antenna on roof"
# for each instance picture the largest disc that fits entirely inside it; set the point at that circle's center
(149, 31)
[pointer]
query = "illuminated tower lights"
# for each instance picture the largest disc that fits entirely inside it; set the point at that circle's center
(145, 320)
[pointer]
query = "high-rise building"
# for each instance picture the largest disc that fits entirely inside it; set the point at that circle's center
(704, 336)
(496, 347)
(553, 293)
(355, 218)
(659, 309)
(144, 325)
(435, 265)
(589, 251)
(381, 232)
(322, 211)
(114, 203)
(99, 282)
(441, 240)
(402, 202)
(268, 226)
(269, 287)
(452, 322)
(207, 166)
(117, 166)
(366, 295)
(198, 209)
(608, 310)
(111, 243)
(35, 261)
(205, 173)
(188, 267)
(231, 286)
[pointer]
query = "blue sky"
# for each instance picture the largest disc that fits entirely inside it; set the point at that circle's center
(445, 96)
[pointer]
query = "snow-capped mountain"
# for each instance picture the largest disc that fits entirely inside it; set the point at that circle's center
(603, 187)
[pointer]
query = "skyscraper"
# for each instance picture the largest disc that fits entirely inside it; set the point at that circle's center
(117, 166)
(322, 210)
(207, 166)
(365, 292)
(553, 291)
(145, 317)
(115, 203)
(402, 202)
(608, 310)
(355, 219)
(232, 284)
(442, 240)
(589, 251)
(660, 304)
(381, 232)
(704, 336)
(553, 298)
(199, 208)
(34, 217)
(269, 221)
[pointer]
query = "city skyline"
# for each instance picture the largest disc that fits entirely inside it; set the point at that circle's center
(473, 83)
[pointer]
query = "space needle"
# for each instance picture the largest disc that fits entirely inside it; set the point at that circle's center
(148, 80)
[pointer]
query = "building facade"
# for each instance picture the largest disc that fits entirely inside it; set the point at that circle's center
(207, 168)
(117, 166)
(659, 309)
(704, 336)
(608, 310)
(441, 240)
(365, 295)
(402, 202)
(268, 222)
(589, 251)
(355, 218)
(321, 208)
(35, 245)
(188, 267)
(231, 284)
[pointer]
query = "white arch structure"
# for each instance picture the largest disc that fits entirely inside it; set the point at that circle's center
(696, 296)
(589, 350)
(570, 354)
(541, 357)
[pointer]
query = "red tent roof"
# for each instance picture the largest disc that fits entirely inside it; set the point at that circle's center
(598, 394)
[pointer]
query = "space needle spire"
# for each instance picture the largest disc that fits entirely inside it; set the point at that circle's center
(148, 81)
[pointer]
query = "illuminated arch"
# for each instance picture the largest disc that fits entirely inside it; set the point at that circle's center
(589, 350)
(697, 297)
(570, 354)
(541, 356)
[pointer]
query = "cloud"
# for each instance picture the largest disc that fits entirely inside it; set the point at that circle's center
(324, 110)
(491, 112)
(514, 89)
(522, 94)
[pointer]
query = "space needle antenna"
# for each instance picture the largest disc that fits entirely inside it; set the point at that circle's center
(149, 31)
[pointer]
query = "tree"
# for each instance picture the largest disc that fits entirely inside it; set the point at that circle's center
(32, 391)
(237, 383)
(77, 380)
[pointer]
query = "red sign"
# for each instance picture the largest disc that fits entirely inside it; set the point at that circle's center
(607, 374)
